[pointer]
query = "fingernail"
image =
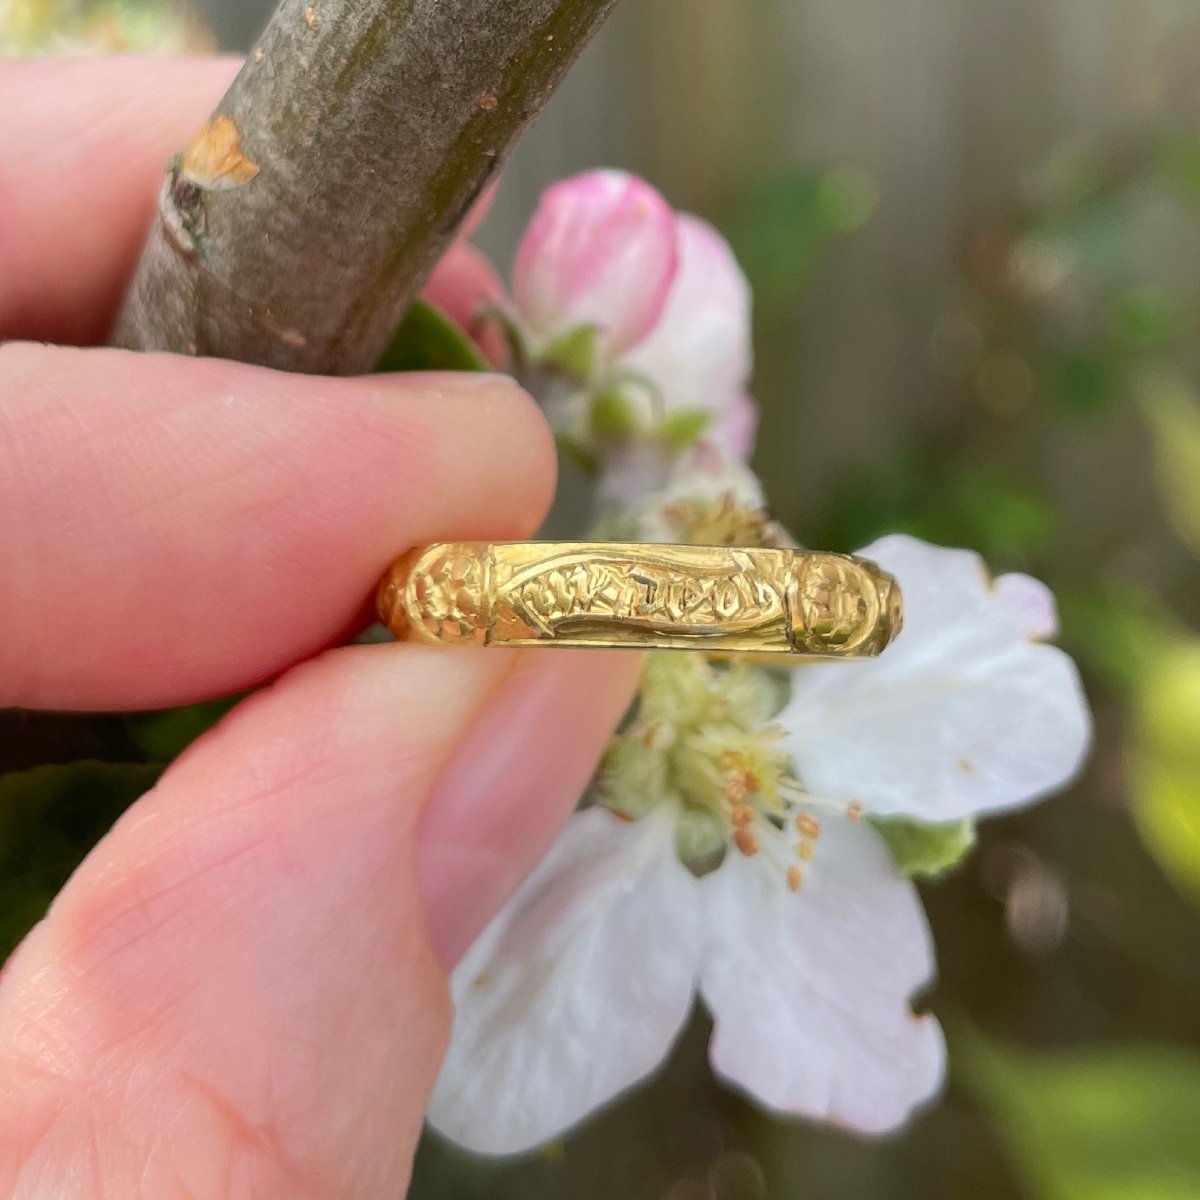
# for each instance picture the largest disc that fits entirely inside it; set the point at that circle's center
(504, 795)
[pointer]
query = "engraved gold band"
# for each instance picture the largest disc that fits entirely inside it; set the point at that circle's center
(721, 599)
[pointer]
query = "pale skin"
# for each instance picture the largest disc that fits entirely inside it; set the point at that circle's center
(242, 992)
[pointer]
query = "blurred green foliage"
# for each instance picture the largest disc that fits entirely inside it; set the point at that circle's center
(1115, 631)
(89, 26)
(165, 734)
(917, 491)
(1112, 1125)
(1165, 761)
(1173, 411)
(49, 818)
(787, 219)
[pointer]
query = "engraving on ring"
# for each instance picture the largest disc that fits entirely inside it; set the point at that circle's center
(720, 599)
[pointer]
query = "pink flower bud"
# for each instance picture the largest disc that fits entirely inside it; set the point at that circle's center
(601, 251)
(698, 355)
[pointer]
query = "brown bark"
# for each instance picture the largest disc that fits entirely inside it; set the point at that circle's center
(297, 228)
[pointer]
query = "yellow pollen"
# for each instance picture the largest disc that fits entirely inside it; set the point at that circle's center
(741, 816)
(746, 841)
(854, 811)
(795, 877)
(808, 826)
(805, 849)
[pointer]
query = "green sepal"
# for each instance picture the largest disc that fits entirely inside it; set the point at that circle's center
(579, 453)
(685, 426)
(428, 340)
(633, 777)
(926, 851)
(50, 818)
(575, 353)
(612, 416)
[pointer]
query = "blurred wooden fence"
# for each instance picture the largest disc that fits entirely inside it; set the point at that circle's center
(945, 104)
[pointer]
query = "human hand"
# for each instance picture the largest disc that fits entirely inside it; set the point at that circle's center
(241, 993)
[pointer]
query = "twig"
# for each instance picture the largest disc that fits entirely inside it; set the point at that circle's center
(298, 226)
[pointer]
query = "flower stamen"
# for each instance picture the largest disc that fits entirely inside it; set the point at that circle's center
(807, 826)
(741, 816)
(746, 841)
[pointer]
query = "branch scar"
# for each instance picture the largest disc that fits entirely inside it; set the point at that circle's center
(215, 161)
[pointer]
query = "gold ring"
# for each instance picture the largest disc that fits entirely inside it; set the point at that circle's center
(720, 599)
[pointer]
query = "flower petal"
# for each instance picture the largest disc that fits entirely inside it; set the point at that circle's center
(966, 713)
(736, 427)
(576, 990)
(601, 250)
(698, 354)
(810, 990)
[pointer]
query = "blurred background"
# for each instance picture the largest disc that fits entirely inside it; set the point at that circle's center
(973, 231)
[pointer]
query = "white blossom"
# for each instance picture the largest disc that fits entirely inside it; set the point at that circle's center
(753, 876)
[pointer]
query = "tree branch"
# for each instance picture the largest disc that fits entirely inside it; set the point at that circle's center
(299, 225)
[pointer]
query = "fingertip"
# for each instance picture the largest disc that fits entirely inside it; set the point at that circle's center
(201, 525)
(251, 930)
(504, 795)
(505, 424)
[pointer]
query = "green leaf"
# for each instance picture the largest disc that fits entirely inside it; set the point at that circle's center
(50, 818)
(926, 851)
(164, 735)
(1171, 405)
(1103, 1125)
(428, 340)
(1165, 763)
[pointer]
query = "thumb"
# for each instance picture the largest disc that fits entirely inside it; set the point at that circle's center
(238, 993)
